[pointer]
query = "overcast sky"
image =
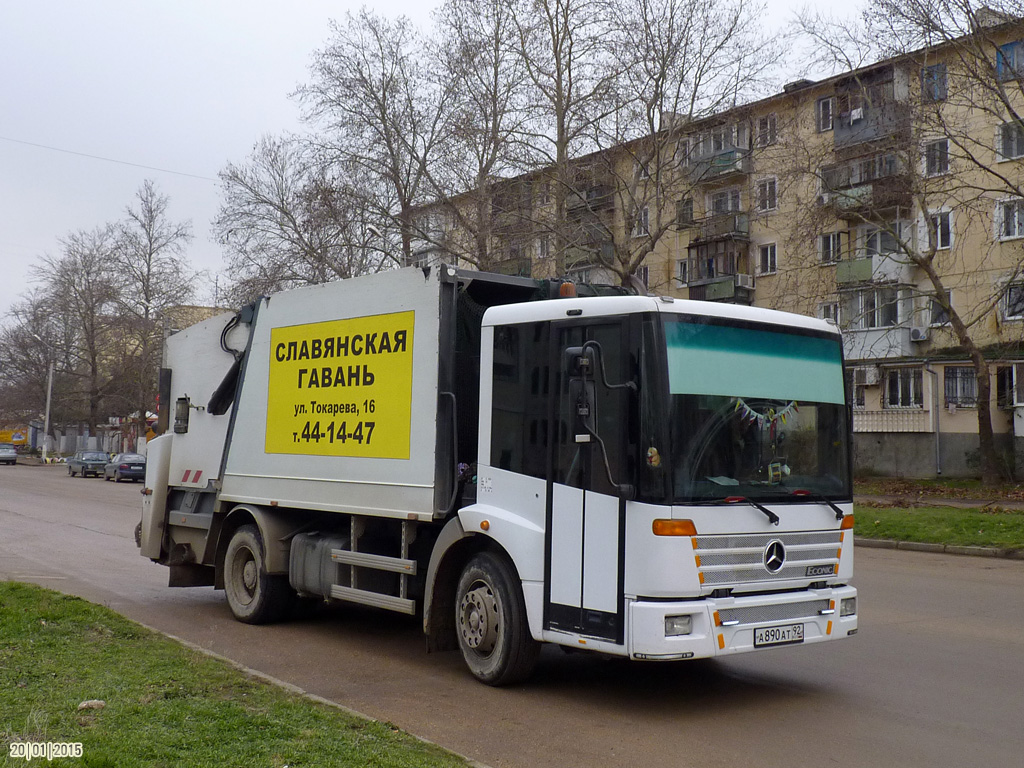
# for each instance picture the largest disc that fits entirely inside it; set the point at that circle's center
(184, 87)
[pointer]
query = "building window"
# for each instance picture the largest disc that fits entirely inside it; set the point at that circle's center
(684, 212)
(1009, 61)
(766, 262)
(641, 227)
(726, 201)
(872, 308)
(1010, 385)
(1010, 141)
(721, 139)
(829, 311)
(882, 241)
(933, 83)
(766, 130)
(683, 151)
(767, 199)
(961, 386)
(824, 111)
(543, 188)
(936, 157)
(903, 388)
(938, 313)
(830, 247)
(682, 277)
(861, 380)
(941, 225)
(1010, 219)
(643, 274)
(543, 247)
(1013, 302)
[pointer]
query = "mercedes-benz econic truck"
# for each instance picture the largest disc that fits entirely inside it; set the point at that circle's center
(516, 461)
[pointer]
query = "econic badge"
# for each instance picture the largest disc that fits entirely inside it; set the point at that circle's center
(342, 387)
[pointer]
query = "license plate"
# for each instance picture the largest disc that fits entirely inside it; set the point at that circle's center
(791, 633)
(135, 467)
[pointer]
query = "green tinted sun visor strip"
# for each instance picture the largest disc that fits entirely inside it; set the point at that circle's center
(706, 359)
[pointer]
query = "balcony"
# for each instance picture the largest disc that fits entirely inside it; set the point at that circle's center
(893, 420)
(869, 200)
(594, 198)
(878, 268)
(733, 289)
(721, 226)
(878, 343)
(871, 123)
(721, 166)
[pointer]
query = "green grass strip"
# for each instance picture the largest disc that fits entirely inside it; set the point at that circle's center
(166, 705)
(942, 525)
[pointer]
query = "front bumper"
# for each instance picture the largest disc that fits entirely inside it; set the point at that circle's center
(725, 626)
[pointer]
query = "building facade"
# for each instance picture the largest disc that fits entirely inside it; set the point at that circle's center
(887, 200)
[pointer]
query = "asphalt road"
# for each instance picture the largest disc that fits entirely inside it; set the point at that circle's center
(935, 677)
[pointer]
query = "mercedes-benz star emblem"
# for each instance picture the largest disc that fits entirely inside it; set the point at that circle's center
(774, 556)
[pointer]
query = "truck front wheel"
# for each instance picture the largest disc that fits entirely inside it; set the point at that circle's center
(254, 596)
(490, 619)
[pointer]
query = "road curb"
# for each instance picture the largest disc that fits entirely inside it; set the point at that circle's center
(945, 549)
(292, 688)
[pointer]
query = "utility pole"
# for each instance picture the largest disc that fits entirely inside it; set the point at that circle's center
(49, 393)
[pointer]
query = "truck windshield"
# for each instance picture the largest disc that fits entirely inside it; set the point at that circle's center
(755, 411)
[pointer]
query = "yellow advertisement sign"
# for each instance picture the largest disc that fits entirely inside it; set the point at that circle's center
(342, 387)
(18, 435)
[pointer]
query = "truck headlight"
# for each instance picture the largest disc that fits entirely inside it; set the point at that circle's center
(848, 606)
(678, 625)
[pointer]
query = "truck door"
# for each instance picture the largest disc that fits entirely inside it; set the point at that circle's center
(586, 503)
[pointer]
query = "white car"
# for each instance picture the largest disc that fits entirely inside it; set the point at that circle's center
(8, 455)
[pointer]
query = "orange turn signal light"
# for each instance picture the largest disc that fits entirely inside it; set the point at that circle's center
(847, 523)
(662, 527)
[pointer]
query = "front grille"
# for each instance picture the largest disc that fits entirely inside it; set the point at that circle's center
(759, 614)
(739, 559)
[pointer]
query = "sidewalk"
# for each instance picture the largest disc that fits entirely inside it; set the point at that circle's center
(901, 500)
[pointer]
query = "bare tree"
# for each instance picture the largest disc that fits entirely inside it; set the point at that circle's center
(288, 220)
(380, 110)
(81, 290)
(28, 345)
(683, 61)
(477, 52)
(939, 173)
(152, 274)
(564, 47)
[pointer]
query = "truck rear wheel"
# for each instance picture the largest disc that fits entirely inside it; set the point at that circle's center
(254, 596)
(491, 622)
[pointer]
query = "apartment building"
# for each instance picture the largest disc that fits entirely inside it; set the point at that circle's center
(887, 200)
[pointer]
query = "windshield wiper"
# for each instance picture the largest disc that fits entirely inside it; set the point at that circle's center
(820, 499)
(772, 517)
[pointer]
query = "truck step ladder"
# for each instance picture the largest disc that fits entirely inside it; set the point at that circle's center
(355, 559)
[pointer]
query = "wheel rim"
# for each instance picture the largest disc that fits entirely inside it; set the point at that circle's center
(478, 618)
(246, 575)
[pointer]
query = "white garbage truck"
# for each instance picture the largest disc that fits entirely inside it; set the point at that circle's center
(515, 460)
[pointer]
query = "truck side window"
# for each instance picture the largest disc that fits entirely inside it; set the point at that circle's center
(519, 410)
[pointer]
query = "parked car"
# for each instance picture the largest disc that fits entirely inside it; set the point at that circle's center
(125, 466)
(8, 454)
(85, 463)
